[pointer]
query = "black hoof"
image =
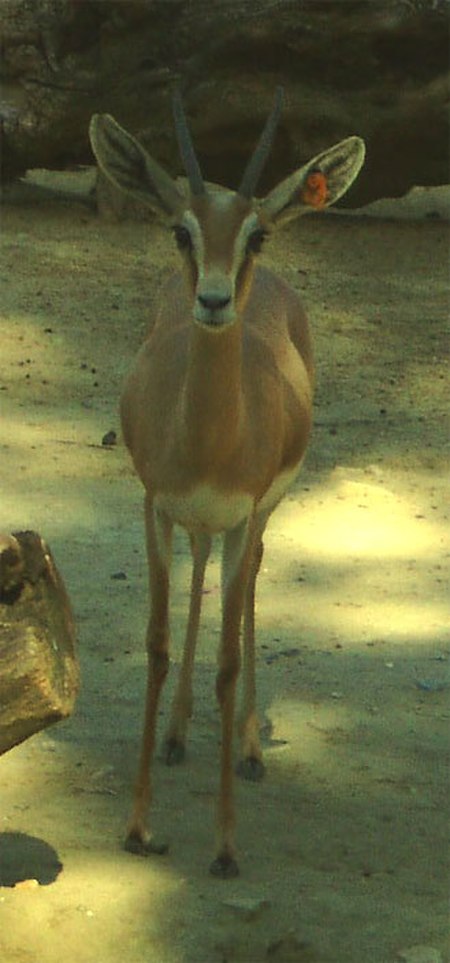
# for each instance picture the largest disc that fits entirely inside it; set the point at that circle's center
(141, 847)
(251, 769)
(225, 867)
(174, 752)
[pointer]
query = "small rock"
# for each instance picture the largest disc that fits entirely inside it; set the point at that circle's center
(26, 884)
(247, 908)
(419, 954)
(431, 685)
(103, 774)
(85, 911)
(119, 576)
(272, 658)
(110, 439)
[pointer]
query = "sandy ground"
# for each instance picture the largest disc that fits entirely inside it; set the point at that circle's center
(343, 851)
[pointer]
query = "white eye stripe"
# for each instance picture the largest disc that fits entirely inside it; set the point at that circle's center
(247, 228)
(190, 221)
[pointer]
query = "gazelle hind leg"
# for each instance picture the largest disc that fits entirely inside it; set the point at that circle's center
(175, 742)
(159, 531)
(236, 561)
(250, 765)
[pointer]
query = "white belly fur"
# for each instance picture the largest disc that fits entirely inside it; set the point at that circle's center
(208, 509)
(278, 488)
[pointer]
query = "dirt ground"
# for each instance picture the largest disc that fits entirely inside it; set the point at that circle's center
(343, 847)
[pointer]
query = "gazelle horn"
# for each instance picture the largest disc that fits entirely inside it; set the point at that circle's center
(256, 163)
(186, 147)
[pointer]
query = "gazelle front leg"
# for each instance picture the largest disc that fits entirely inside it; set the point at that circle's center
(159, 532)
(237, 552)
(250, 765)
(182, 702)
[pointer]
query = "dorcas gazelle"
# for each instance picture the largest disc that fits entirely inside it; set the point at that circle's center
(216, 414)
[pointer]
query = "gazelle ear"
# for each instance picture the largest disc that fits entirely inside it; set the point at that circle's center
(125, 162)
(316, 185)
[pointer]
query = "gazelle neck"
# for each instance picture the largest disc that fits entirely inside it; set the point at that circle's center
(212, 399)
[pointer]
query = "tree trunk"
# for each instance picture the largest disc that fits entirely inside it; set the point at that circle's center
(39, 672)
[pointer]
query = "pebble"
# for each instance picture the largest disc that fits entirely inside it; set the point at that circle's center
(246, 907)
(110, 439)
(431, 685)
(420, 954)
(26, 884)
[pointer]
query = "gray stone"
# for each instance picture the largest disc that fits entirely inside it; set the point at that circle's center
(420, 954)
(246, 907)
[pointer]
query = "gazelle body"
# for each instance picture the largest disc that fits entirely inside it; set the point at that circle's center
(216, 414)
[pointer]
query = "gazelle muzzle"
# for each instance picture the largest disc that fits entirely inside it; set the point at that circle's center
(214, 303)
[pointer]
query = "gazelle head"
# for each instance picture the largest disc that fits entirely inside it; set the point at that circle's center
(220, 232)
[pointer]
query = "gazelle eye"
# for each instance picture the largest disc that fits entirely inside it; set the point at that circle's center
(182, 237)
(255, 241)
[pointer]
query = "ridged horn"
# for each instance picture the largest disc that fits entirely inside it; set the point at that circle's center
(186, 147)
(256, 163)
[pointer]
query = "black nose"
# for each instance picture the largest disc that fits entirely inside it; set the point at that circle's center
(213, 302)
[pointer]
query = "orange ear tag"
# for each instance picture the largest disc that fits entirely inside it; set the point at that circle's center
(315, 191)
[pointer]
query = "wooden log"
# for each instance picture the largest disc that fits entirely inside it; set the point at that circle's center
(39, 673)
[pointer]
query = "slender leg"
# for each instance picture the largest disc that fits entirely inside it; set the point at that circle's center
(182, 703)
(235, 570)
(159, 532)
(251, 765)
